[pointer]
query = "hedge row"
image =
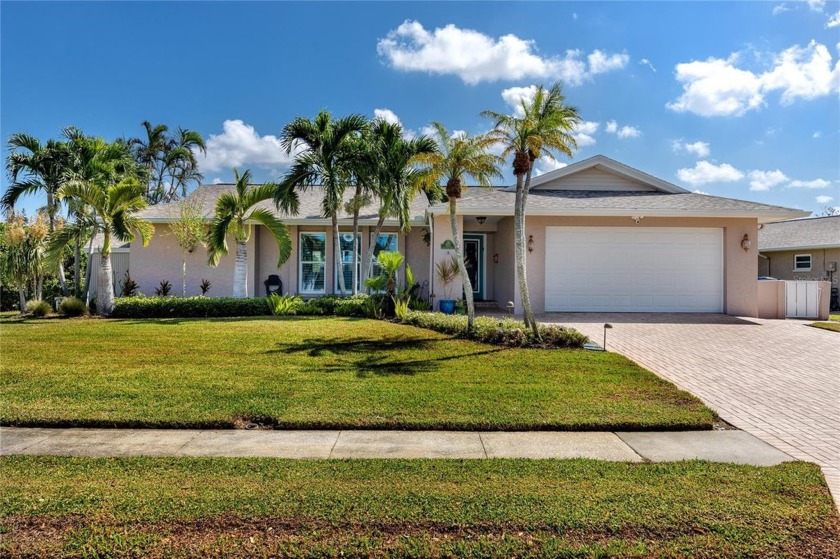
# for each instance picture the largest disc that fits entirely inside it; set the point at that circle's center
(506, 332)
(188, 307)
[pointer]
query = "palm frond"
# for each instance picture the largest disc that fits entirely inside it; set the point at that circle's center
(278, 229)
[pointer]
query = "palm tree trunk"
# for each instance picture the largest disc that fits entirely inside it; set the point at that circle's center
(356, 239)
(240, 271)
(376, 231)
(89, 268)
(520, 255)
(184, 274)
(77, 268)
(104, 285)
(39, 287)
(459, 258)
(22, 295)
(526, 297)
(339, 263)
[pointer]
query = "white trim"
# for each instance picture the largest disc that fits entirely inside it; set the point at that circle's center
(300, 264)
(796, 268)
(801, 247)
(483, 268)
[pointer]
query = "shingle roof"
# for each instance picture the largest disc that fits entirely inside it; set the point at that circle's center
(588, 202)
(310, 206)
(800, 233)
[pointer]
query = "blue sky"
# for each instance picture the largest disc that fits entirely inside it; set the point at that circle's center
(732, 99)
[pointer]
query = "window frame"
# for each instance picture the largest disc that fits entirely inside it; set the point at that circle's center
(375, 263)
(336, 290)
(797, 267)
(301, 262)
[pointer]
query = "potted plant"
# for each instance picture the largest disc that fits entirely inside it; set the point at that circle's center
(446, 271)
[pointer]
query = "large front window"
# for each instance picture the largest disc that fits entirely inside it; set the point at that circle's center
(347, 263)
(313, 252)
(384, 242)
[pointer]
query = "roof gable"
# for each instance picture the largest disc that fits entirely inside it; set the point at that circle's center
(600, 173)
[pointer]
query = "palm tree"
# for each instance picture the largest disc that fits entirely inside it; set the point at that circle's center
(168, 160)
(234, 214)
(458, 157)
(396, 179)
(327, 158)
(546, 125)
(35, 167)
(105, 179)
(23, 254)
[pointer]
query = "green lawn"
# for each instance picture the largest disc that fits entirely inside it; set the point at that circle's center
(79, 507)
(833, 326)
(319, 373)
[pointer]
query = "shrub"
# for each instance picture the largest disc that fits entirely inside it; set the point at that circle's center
(204, 286)
(282, 305)
(504, 332)
(163, 289)
(71, 306)
(128, 287)
(189, 307)
(401, 308)
(38, 308)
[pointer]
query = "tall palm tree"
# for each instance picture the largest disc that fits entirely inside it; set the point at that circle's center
(459, 157)
(235, 211)
(35, 167)
(546, 126)
(168, 160)
(327, 157)
(395, 176)
(105, 179)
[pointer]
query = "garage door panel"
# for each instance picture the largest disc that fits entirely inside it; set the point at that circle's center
(634, 269)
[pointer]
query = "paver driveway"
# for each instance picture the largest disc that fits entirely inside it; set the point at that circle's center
(776, 379)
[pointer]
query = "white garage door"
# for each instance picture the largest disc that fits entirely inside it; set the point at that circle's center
(634, 269)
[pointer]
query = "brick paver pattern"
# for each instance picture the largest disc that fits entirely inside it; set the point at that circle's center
(776, 379)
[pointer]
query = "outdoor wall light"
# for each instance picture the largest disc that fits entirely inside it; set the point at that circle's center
(746, 243)
(637, 218)
(496, 258)
(481, 219)
(530, 243)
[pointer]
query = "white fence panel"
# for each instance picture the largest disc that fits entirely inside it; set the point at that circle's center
(802, 299)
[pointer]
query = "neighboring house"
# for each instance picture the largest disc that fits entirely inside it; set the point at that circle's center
(801, 249)
(601, 236)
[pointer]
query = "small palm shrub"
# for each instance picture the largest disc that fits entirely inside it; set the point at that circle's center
(401, 308)
(38, 308)
(71, 306)
(163, 289)
(284, 305)
(128, 287)
(204, 286)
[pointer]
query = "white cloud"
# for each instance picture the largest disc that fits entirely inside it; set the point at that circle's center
(217, 180)
(765, 180)
(704, 172)
(700, 149)
(476, 57)
(514, 96)
(239, 145)
(387, 115)
(716, 86)
(779, 9)
(816, 134)
(546, 165)
(823, 199)
(584, 133)
(816, 183)
(816, 5)
(698, 191)
(833, 20)
(601, 62)
(646, 62)
(624, 131)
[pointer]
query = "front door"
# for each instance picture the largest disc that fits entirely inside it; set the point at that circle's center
(474, 261)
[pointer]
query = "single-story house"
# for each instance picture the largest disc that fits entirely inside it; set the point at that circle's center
(800, 249)
(601, 236)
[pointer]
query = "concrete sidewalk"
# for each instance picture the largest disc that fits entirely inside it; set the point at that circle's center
(720, 446)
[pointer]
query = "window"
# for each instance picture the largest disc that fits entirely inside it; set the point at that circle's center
(384, 242)
(312, 256)
(802, 263)
(347, 263)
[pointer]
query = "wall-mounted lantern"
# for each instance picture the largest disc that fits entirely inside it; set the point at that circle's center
(746, 243)
(530, 243)
(481, 219)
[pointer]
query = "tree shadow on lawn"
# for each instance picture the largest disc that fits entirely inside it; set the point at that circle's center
(373, 357)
